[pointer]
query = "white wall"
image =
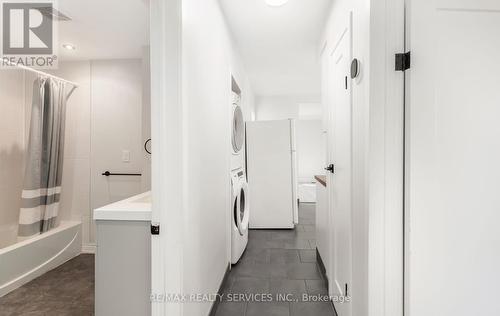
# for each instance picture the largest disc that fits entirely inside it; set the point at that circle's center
(310, 140)
(360, 115)
(286, 107)
(208, 62)
(310, 149)
(12, 149)
(116, 105)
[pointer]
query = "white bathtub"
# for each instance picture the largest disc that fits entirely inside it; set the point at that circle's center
(28, 259)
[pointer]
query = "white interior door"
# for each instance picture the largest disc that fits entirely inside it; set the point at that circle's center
(339, 183)
(453, 155)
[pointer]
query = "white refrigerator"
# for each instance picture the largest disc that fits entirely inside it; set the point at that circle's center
(272, 174)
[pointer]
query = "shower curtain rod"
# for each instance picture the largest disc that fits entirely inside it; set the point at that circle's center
(42, 73)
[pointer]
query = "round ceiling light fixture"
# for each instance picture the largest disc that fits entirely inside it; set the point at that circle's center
(69, 46)
(276, 3)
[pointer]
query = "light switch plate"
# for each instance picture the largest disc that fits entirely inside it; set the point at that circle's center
(125, 155)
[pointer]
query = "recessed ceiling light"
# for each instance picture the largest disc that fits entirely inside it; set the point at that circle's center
(69, 46)
(276, 3)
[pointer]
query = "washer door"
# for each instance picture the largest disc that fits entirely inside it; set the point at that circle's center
(235, 190)
(238, 134)
(241, 211)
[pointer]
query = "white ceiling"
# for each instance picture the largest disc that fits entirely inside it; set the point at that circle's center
(279, 45)
(103, 29)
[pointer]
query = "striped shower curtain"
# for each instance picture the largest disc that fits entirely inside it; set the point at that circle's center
(44, 158)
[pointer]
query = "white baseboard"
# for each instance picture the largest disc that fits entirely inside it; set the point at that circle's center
(89, 248)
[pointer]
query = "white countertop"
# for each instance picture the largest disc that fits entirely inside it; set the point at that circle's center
(135, 208)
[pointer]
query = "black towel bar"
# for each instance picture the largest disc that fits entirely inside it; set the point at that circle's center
(107, 174)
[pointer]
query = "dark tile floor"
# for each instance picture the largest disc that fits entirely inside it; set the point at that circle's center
(278, 262)
(65, 291)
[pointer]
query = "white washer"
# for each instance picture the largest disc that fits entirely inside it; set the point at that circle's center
(237, 134)
(240, 214)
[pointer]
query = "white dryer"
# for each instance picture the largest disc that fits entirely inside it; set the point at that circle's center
(240, 214)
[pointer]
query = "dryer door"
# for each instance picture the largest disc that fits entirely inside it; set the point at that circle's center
(238, 130)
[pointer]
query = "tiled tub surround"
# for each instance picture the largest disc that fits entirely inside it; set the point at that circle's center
(279, 262)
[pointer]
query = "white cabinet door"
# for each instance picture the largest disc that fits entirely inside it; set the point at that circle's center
(453, 158)
(339, 183)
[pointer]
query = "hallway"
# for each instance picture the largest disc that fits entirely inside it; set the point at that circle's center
(279, 262)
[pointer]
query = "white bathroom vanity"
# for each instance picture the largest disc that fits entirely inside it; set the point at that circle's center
(123, 257)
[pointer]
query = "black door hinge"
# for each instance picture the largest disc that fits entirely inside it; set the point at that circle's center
(155, 229)
(331, 168)
(403, 61)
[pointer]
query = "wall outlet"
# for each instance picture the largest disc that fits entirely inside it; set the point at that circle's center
(125, 155)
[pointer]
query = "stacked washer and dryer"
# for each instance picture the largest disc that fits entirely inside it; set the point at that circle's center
(240, 213)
